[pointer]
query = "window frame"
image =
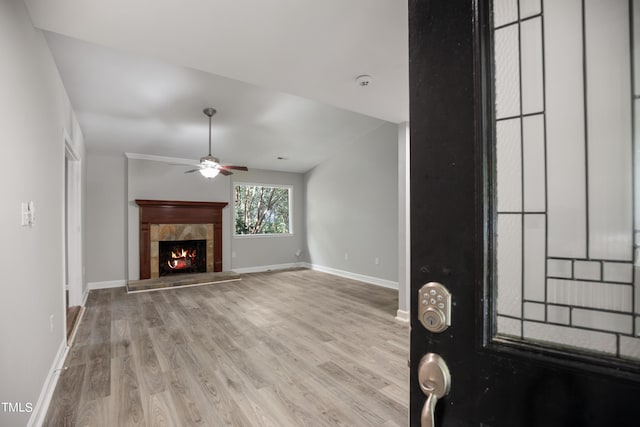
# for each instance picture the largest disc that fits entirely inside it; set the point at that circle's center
(289, 187)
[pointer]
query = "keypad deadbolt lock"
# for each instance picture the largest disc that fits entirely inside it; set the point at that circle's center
(435, 307)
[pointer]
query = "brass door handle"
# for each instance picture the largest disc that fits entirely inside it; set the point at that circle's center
(435, 383)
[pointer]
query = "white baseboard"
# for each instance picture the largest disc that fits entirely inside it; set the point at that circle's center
(263, 268)
(41, 407)
(402, 315)
(107, 285)
(72, 338)
(355, 276)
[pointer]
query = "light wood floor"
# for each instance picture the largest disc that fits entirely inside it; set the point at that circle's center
(292, 348)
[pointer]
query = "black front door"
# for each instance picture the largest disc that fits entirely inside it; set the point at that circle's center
(522, 146)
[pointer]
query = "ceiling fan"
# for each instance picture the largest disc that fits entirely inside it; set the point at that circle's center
(210, 166)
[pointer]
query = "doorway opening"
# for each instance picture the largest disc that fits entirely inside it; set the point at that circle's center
(72, 238)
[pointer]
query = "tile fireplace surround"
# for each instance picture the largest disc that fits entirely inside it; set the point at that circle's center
(179, 220)
(177, 232)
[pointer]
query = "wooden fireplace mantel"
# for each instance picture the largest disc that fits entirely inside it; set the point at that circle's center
(178, 212)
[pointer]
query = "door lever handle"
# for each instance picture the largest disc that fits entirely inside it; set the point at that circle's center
(435, 383)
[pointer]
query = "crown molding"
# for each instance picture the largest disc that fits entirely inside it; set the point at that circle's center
(162, 159)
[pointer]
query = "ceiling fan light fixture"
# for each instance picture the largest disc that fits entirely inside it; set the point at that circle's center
(209, 173)
(209, 161)
(210, 166)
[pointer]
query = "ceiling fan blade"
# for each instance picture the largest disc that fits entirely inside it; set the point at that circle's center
(193, 170)
(238, 168)
(225, 172)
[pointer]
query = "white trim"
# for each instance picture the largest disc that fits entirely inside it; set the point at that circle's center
(262, 235)
(69, 150)
(107, 284)
(355, 276)
(162, 159)
(72, 219)
(40, 410)
(264, 268)
(404, 217)
(85, 295)
(402, 316)
(262, 184)
(254, 184)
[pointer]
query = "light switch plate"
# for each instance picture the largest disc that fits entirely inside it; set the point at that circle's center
(24, 218)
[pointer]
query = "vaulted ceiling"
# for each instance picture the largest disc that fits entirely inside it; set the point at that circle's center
(281, 74)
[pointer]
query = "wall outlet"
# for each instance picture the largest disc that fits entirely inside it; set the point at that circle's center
(233, 254)
(346, 256)
(28, 215)
(376, 261)
(51, 323)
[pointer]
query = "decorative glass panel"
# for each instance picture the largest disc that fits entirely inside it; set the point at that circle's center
(567, 119)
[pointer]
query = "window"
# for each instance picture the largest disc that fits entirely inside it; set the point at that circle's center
(262, 209)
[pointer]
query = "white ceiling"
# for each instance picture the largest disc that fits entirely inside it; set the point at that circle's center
(281, 74)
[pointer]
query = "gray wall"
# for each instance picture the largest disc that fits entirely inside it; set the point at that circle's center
(352, 207)
(34, 111)
(105, 217)
(80, 148)
(261, 251)
(148, 179)
(113, 184)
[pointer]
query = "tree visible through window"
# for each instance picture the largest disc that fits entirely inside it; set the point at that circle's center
(262, 209)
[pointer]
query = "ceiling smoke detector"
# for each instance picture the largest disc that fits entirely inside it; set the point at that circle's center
(363, 80)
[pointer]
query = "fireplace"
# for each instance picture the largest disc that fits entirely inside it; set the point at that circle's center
(175, 222)
(182, 256)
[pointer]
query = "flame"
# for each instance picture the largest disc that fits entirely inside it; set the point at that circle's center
(182, 253)
(181, 258)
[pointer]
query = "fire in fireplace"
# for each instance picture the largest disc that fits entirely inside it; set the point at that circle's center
(182, 256)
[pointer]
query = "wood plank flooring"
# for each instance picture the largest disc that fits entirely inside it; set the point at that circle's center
(291, 348)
